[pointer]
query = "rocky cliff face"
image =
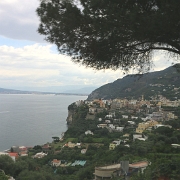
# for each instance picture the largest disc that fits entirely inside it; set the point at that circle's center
(70, 116)
(71, 111)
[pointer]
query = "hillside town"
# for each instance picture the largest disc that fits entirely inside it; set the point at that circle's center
(152, 113)
(110, 126)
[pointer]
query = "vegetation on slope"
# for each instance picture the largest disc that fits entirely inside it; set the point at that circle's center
(157, 149)
(133, 86)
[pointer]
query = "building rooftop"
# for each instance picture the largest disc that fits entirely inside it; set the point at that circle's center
(139, 164)
(114, 166)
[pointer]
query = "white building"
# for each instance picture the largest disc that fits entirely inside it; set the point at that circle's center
(125, 116)
(120, 129)
(89, 132)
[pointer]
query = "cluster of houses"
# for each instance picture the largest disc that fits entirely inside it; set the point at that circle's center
(152, 111)
(16, 151)
(148, 126)
(97, 105)
(152, 116)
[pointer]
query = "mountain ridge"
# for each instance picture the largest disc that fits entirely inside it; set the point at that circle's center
(133, 86)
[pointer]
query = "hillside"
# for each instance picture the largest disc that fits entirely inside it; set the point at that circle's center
(163, 82)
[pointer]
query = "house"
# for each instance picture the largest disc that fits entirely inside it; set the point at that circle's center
(107, 121)
(23, 153)
(15, 149)
(89, 132)
(78, 145)
(120, 129)
(102, 104)
(22, 148)
(131, 122)
(119, 170)
(138, 166)
(71, 145)
(161, 125)
(175, 145)
(92, 110)
(3, 153)
(114, 144)
(112, 126)
(83, 151)
(141, 127)
(126, 135)
(157, 116)
(141, 139)
(39, 155)
(135, 136)
(113, 114)
(127, 145)
(152, 123)
(13, 155)
(109, 116)
(170, 115)
(56, 162)
(134, 117)
(78, 103)
(46, 147)
(125, 116)
(102, 125)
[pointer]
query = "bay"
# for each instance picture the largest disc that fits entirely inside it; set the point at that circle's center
(29, 119)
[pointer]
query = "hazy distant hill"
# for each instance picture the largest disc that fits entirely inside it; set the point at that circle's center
(163, 82)
(85, 90)
(12, 91)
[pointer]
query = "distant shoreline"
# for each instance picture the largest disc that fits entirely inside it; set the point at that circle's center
(15, 91)
(44, 93)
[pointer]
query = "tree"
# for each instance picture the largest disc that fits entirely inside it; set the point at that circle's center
(111, 34)
(6, 164)
(55, 139)
(3, 176)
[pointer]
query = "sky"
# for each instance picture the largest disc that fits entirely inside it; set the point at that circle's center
(28, 62)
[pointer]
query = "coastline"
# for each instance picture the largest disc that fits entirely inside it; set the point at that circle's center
(33, 119)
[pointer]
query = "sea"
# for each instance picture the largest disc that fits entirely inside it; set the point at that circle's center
(31, 119)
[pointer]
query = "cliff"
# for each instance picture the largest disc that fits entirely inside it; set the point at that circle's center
(69, 117)
(71, 111)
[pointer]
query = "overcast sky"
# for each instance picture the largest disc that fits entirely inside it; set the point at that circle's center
(28, 62)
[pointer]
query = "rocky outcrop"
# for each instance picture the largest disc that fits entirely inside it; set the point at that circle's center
(70, 116)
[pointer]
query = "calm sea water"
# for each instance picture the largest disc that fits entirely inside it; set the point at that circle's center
(31, 120)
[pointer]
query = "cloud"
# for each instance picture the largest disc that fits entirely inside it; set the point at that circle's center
(162, 60)
(38, 66)
(18, 20)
